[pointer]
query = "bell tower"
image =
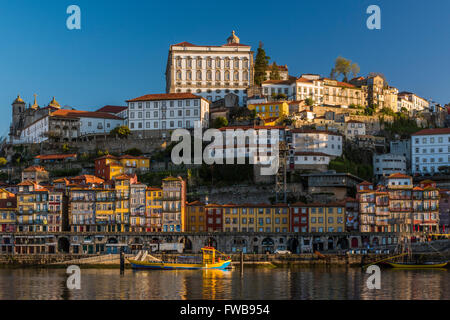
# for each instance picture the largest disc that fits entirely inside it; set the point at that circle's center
(18, 110)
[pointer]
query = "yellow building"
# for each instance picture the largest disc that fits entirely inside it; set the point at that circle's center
(195, 217)
(153, 209)
(115, 170)
(122, 205)
(255, 218)
(108, 167)
(7, 214)
(133, 164)
(270, 110)
(327, 217)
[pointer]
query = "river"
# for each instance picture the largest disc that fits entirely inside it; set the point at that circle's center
(254, 283)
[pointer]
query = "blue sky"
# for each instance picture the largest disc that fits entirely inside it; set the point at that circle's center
(121, 50)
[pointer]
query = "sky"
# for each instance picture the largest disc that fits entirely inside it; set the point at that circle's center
(121, 50)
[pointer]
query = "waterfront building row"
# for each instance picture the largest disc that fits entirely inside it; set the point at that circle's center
(398, 206)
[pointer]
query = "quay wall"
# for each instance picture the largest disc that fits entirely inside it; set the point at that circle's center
(334, 259)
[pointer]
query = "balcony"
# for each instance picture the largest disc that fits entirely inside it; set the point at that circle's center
(111, 199)
(173, 198)
(400, 209)
(171, 210)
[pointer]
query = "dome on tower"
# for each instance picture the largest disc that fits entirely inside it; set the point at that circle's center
(54, 104)
(18, 100)
(233, 38)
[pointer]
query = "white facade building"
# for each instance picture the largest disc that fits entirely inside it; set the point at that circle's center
(210, 71)
(430, 149)
(307, 86)
(97, 125)
(404, 103)
(329, 143)
(248, 144)
(167, 112)
(309, 161)
(417, 103)
(275, 87)
(354, 128)
(36, 132)
(387, 164)
(68, 124)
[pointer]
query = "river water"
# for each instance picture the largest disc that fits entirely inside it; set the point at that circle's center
(254, 283)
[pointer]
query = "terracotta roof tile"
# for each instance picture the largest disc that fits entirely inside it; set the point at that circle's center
(399, 176)
(83, 114)
(55, 156)
(112, 109)
(166, 96)
(432, 132)
(35, 168)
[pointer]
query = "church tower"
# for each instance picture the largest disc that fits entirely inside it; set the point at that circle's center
(18, 109)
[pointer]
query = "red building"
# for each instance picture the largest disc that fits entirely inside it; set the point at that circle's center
(299, 217)
(214, 217)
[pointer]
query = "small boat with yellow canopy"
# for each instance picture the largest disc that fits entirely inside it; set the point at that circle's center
(211, 259)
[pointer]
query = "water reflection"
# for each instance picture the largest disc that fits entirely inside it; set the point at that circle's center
(281, 283)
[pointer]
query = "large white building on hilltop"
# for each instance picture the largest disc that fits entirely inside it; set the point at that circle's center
(167, 111)
(210, 71)
(430, 149)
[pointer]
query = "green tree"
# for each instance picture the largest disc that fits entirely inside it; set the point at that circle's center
(65, 147)
(387, 111)
(134, 152)
(261, 65)
(274, 72)
(220, 122)
(344, 67)
(279, 96)
(3, 162)
(309, 101)
(121, 132)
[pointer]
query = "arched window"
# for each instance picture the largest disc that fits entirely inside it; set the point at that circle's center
(217, 75)
(236, 76)
(227, 75)
(245, 63)
(208, 75)
(236, 63)
(179, 62)
(189, 63)
(189, 75)
(179, 75)
(227, 62)
(245, 75)
(199, 75)
(209, 63)
(199, 62)
(217, 62)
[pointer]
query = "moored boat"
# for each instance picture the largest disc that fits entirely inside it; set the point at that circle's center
(211, 259)
(426, 265)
